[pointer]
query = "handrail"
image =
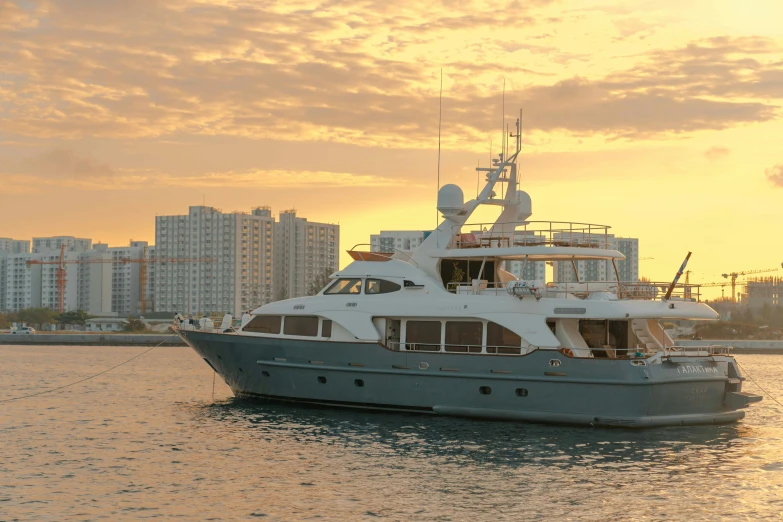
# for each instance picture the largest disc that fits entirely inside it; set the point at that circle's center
(398, 346)
(532, 233)
(625, 291)
(688, 351)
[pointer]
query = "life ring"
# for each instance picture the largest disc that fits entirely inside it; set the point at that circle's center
(567, 351)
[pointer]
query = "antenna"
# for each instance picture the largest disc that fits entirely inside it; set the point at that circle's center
(440, 115)
(503, 124)
(478, 175)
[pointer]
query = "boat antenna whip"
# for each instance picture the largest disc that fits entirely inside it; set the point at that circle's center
(440, 119)
(677, 277)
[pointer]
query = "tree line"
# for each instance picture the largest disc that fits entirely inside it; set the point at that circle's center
(41, 317)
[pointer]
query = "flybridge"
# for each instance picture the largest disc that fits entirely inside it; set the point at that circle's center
(511, 236)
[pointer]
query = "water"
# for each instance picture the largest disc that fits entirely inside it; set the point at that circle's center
(148, 441)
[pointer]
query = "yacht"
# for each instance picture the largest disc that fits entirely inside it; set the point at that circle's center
(448, 329)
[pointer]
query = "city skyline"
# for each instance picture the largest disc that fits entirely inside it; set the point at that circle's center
(661, 120)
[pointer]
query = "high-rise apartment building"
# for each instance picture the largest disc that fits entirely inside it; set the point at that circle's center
(391, 240)
(14, 246)
(304, 252)
(126, 279)
(15, 282)
(94, 281)
(600, 270)
(72, 244)
(230, 261)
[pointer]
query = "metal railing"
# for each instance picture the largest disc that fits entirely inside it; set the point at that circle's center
(531, 233)
(630, 291)
(475, 349)
(689, 351)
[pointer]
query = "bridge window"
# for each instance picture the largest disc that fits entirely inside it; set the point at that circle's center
(463, 336)
(268, 324)
(380, 286)
(301, 325)
(345, 286)
(423, 335)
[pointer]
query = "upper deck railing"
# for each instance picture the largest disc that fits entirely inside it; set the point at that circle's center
(531, 233)
(631, 290)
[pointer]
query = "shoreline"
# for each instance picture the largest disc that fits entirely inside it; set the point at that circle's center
(91, 339)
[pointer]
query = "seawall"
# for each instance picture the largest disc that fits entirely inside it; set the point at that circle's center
(96, 339)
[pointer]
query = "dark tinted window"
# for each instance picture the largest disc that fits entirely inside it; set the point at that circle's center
(301, 325)
(269, 324)
(423, 335)
(501, 336)
(345, 286)
(380, 286)
(463, 336)
(326, 328)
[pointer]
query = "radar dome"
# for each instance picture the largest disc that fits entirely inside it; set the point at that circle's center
(524, 204)
(450, 200)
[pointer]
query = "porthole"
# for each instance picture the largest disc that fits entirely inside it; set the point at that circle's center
(521, 392)
(554, 363)
(358, 383)
(485, 390)
(322, 379)
(265, 373)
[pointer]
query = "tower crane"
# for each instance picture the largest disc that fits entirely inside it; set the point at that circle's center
(721, 284)
(734, 275)
(61, 279)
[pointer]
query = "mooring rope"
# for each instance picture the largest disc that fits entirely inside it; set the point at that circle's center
(81, 381)
(757, 384)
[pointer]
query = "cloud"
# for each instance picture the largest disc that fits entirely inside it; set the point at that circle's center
(716, 153)
(775, 175)
(64, 168)
(64, 164)
(362, 72)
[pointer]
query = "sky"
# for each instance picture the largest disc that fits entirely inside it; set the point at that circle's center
(659, 118)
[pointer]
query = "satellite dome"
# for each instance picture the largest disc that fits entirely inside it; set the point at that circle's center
(450, 200)
(524, 204)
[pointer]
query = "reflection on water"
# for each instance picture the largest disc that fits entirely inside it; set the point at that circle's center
(507, 444)
(150, 442)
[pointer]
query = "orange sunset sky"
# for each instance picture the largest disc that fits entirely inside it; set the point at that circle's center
(659, 118)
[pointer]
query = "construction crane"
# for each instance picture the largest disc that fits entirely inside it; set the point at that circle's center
(143, 260)
(61, 278)
(734, 275)
(721, 284)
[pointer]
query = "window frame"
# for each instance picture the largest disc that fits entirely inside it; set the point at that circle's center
(279, 327)
(293, 319)
(380, 282)
(330, 288)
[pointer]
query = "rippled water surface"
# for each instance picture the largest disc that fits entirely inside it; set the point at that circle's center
(147, 440)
